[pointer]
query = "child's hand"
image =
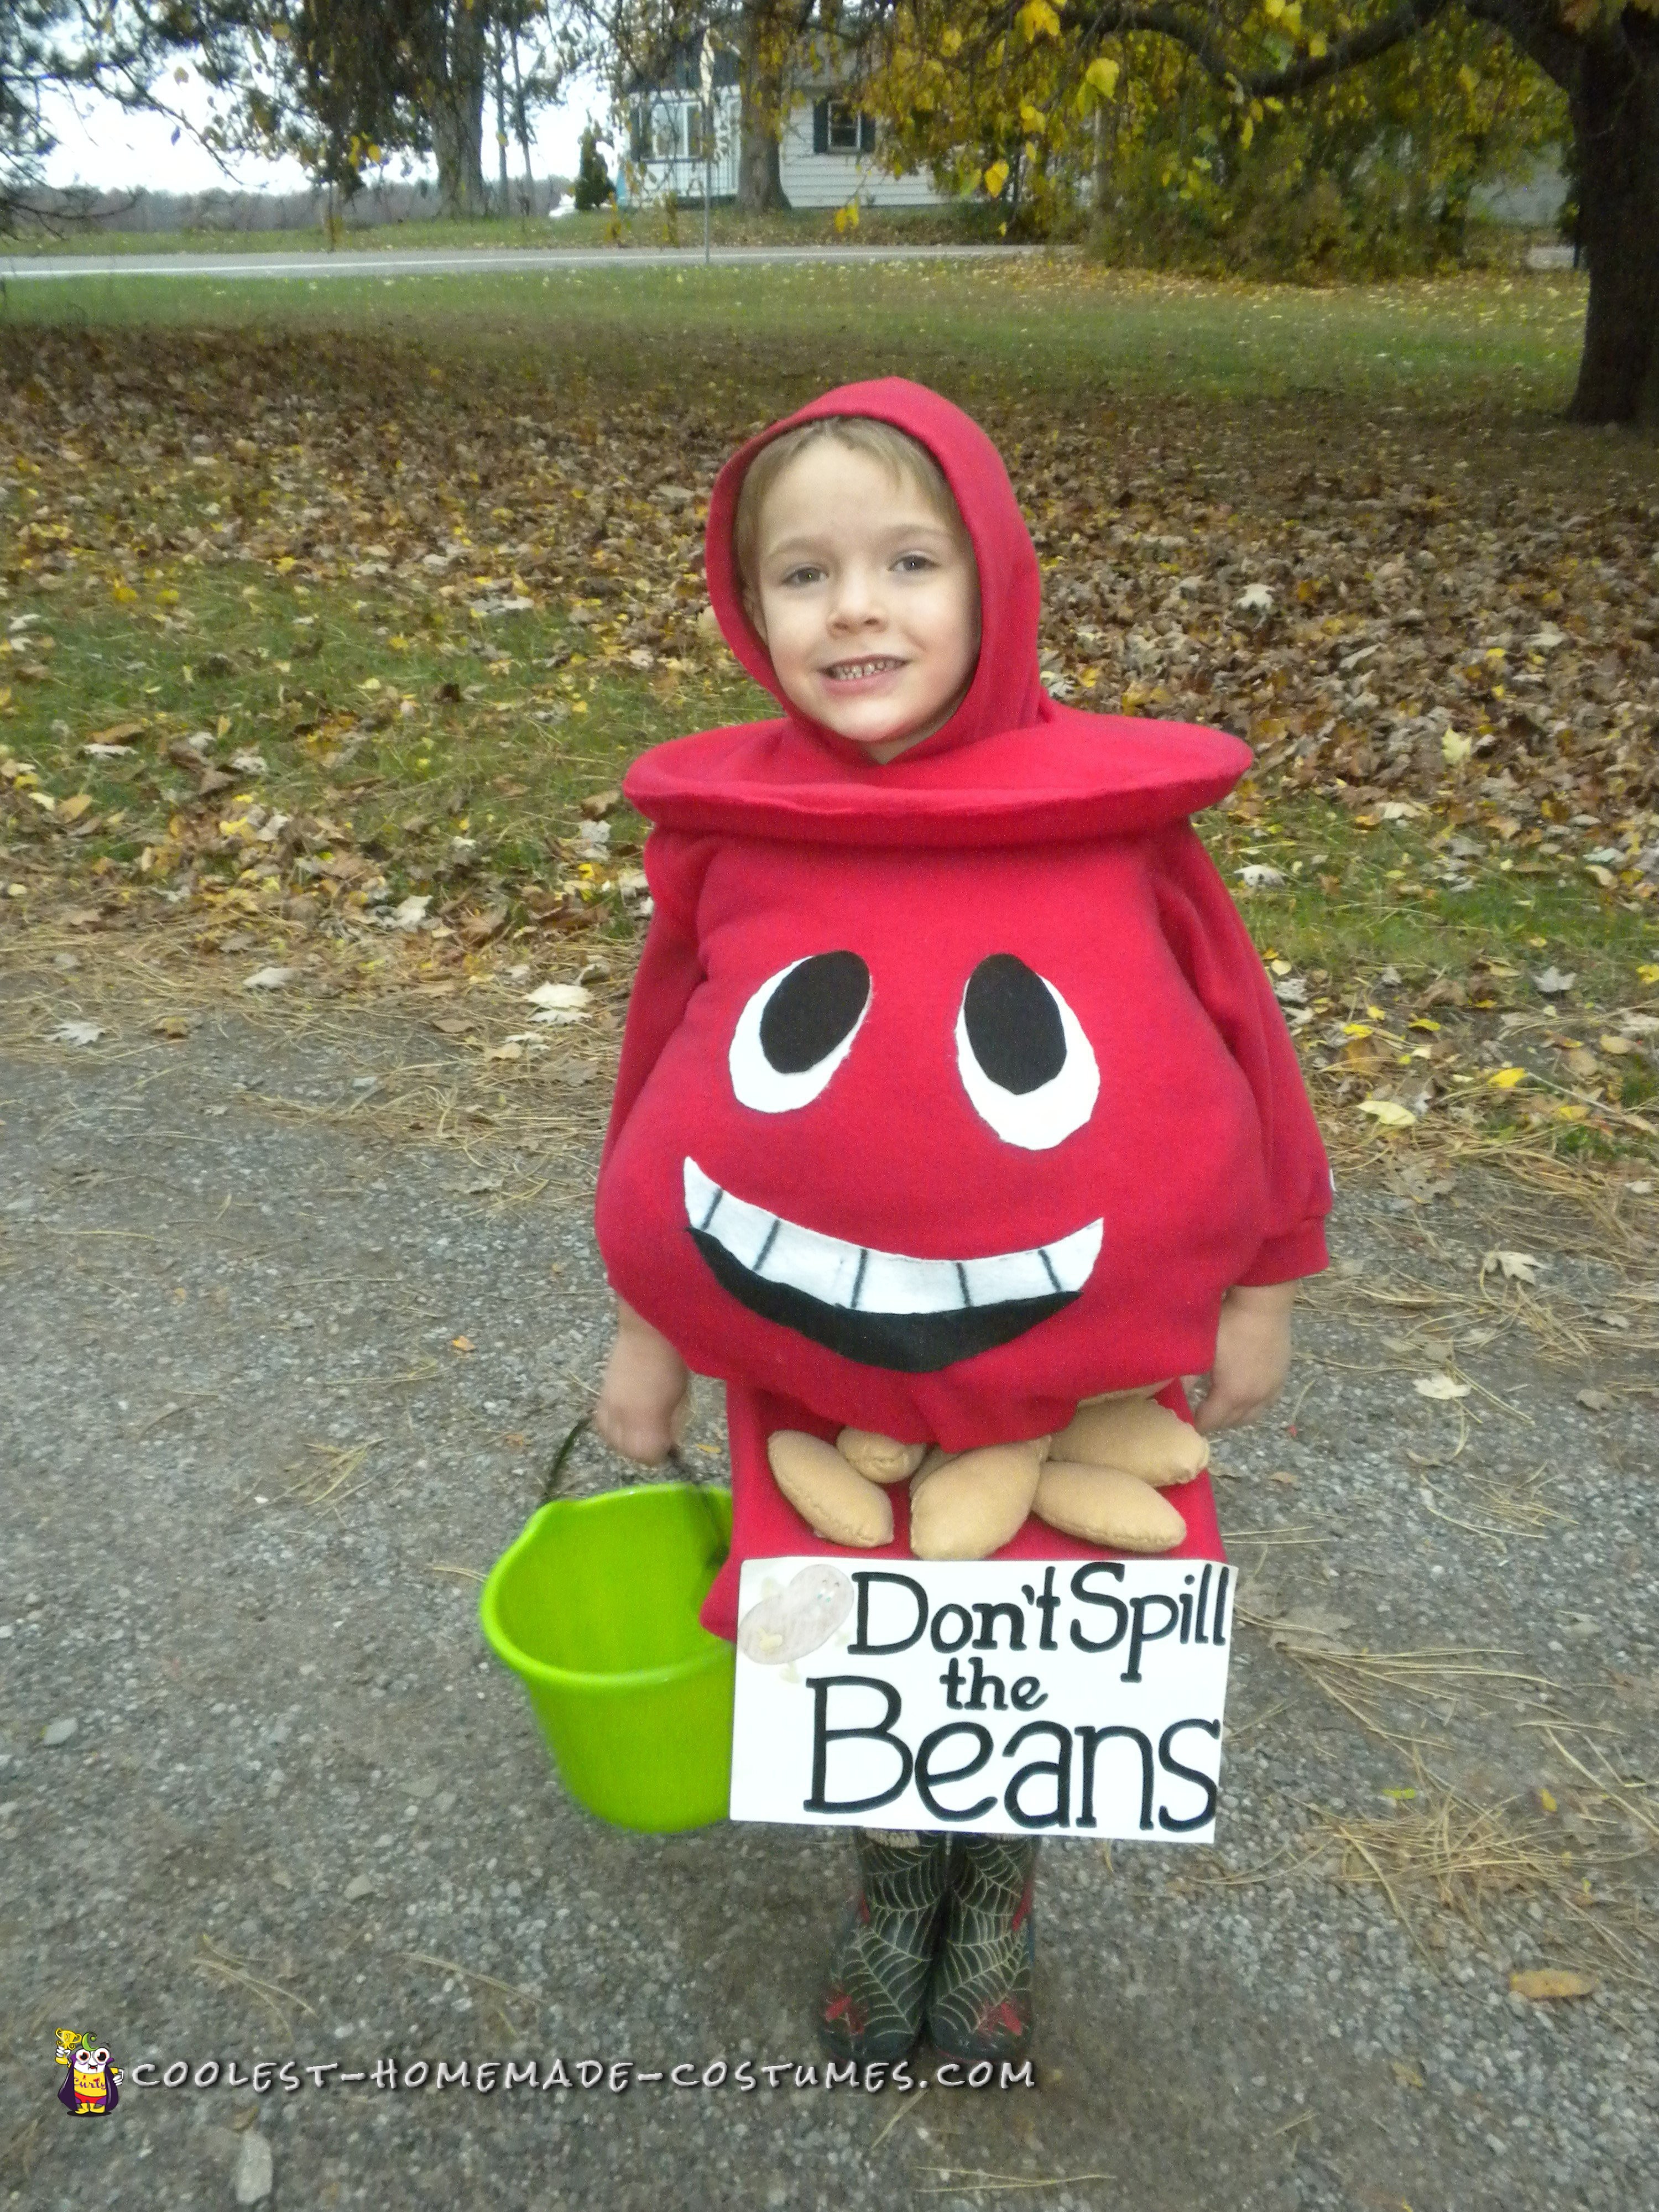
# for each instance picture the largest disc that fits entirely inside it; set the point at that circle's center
(1252, 1352)
(644, 1397)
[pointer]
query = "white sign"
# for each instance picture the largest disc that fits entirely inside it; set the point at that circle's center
(997, 1696)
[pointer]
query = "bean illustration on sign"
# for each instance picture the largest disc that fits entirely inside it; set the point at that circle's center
(1110, 1675)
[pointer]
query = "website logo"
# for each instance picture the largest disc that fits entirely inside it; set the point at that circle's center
(91, 2085)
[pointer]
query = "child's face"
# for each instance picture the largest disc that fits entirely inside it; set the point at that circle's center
(868, 600)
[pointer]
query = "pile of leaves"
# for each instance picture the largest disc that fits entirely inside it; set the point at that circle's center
(1382, 607)
(1441, 629)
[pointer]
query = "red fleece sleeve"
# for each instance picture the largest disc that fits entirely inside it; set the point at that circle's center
(670, 969)
(1208, 935)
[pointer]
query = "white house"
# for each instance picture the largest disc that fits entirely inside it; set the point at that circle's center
(826, 153)
(827, 157)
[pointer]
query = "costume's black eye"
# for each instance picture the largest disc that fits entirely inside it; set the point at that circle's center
(796, 1031)
(816, 1005)
(1013, 1024)
(1025, 1063)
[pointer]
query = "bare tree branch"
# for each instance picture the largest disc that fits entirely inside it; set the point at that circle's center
(1186, 30)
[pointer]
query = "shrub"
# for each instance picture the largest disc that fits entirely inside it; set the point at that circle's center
(594, 186)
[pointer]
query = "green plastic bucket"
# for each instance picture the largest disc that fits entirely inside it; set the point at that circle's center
(595, 1609)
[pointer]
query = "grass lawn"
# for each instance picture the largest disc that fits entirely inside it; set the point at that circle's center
(1052, 326)
(360, 589)
(657, 225)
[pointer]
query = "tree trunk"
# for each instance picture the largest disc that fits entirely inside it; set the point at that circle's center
(1615, 121)
(761, 68)
(457, 117)
(500, 119)
(524, 131)
(760, 179)
(1104, 147)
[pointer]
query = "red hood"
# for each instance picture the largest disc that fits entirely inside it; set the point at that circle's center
(1005, 691)
(1010, 766)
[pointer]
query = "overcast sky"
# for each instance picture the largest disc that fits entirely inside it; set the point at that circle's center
(102, 145)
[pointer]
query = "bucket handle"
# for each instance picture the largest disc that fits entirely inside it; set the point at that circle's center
(677, 1459)
(720, 1541)
(556, 1470)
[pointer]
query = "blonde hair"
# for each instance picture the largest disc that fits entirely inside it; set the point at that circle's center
(906, 460)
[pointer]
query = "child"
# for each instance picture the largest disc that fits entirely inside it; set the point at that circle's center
(936, 967)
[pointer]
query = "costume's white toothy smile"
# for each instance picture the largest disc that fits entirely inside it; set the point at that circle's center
(882, 1309)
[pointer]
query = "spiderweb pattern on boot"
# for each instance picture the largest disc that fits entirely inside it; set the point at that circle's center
(872, 2004)
(979, 2003)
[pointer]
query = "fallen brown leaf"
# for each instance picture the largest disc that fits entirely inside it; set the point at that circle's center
(1548, 1984)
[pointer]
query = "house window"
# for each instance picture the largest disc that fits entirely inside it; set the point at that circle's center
(667, 138)
(838, 127)
(695, 145)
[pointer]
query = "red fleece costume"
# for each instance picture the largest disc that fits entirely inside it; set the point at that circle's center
(953, 1091)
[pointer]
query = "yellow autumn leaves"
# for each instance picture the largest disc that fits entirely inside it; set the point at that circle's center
(1099, 83)
(955, 85)
(1038, 20)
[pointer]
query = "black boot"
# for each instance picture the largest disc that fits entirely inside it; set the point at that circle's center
(872, 2003)
(978, 2003)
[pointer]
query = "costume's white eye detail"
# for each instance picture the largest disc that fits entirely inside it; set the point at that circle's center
(1025, 1063)
(797, 1030)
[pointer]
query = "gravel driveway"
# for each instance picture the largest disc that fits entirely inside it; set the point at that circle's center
(264, 1795)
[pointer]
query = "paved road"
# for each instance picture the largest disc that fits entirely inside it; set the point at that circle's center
(263, 1793)
(371, 262)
